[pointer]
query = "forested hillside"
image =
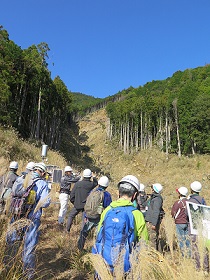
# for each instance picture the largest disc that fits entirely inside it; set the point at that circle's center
(173, 114)
(39, 108)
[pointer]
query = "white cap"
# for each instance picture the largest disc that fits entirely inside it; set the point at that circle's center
(40, 166)
(182, 190)
(132, 180)
(103, 181)
(87, 173)
(68, 168)
(142, 187)
(30, 165)
(157, 187)
(13, 165)
(196, 186)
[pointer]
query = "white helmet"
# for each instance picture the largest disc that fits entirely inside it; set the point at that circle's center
(68, 168)
(196, 186)
(183, 191)
(142, 187)
(87, 173)
(30, 165)
(157, 187)
(132, 180)
(40, 166)
(13, 165)
(103, 181)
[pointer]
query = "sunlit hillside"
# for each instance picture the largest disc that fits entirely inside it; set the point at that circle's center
(57, 253)
(150, 166)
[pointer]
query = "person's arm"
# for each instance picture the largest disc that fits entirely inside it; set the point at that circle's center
(102, 217)
(174, 209)
(107, 199)
(74, 179)
(140, 226)
(43, 196)
(156, 207)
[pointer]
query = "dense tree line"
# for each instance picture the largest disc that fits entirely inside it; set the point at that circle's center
(173, 114)
(30, 101)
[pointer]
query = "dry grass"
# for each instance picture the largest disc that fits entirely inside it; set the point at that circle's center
(57, 253)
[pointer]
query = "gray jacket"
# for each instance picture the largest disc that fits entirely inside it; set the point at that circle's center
(153, 214)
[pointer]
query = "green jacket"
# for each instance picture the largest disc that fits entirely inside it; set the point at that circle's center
(140, 229)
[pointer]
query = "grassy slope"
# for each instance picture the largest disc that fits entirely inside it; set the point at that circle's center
(149, 166)
(57, 254)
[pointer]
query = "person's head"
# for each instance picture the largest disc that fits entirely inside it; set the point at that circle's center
(30, 166)
(195, 187)
(68, 170)
(157, 188)
(87, 173)
(13, 166)
(40, 169)
(142, 189)
(103, 182)
(129, 187)
(182, 191)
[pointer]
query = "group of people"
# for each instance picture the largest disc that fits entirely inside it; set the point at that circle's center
(144, 211)
(188, 241)
(148, 213)
(120, 224)
(13, 188)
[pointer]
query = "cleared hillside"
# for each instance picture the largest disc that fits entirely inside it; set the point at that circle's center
(149, 166)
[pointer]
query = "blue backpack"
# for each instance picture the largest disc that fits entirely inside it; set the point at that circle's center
(116, 237)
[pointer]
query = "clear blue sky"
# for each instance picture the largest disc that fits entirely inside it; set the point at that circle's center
(100, 47)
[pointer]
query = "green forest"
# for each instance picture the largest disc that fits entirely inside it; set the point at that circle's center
(37, 107)
(172, 114)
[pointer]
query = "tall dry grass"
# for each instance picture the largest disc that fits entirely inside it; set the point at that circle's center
(147, 263)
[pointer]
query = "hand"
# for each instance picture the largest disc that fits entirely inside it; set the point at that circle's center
(153, 227)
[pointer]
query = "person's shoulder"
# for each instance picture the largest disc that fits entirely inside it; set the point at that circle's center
(40, 182)
(137, 214)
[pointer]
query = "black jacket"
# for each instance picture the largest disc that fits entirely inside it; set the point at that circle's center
(65, 185)
(155, 204)
(80, 192)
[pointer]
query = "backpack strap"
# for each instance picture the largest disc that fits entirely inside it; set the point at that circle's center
(199, 202)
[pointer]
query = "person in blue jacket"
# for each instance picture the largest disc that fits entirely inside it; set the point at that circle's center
(90, 223)
(31, 236)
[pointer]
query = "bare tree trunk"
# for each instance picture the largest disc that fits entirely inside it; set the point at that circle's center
(38, 115)
(121, 136)
(177, 126)
(23, 100)
(166, 129)
(137, 137)
(128, 138)
(124, 136)
(141, 130)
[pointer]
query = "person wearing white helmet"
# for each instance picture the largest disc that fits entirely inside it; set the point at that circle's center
(17, 188)
(6, 184)
(98, 199)
(121, 221)
(179, 213)
(142, 199)
(79, 195)
(41, 200)
(154, 215)
(195, 197)
(65, 189)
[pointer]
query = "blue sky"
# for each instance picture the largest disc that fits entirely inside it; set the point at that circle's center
(100, 47)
